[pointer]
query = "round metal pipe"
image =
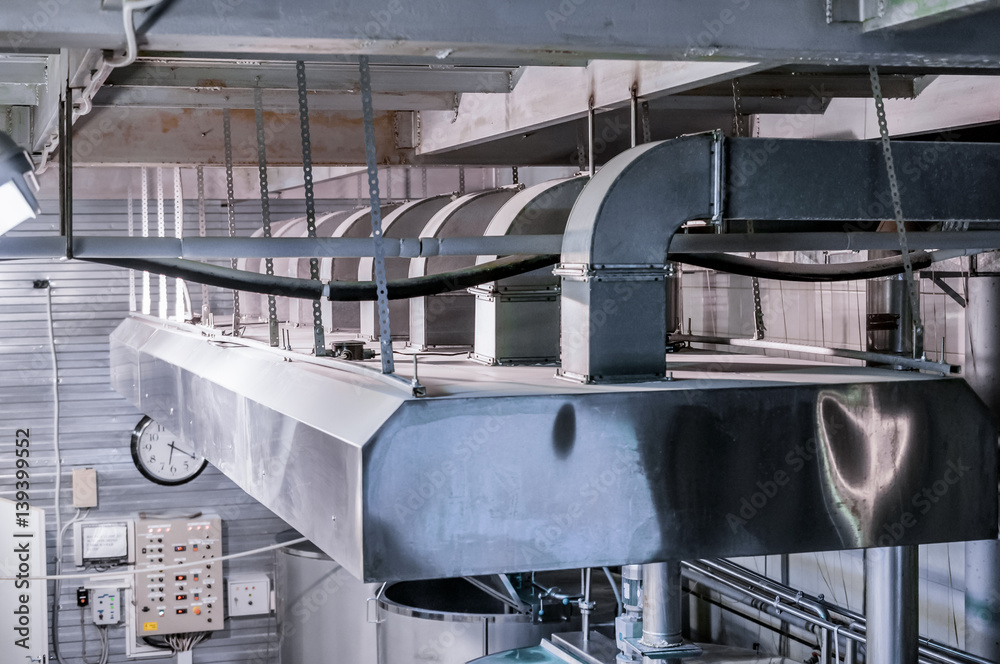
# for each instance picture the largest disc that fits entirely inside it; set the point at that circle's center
(661, 604)
(982, 559)
(892, 605)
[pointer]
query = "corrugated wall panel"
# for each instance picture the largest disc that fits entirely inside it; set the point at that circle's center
(88, 301)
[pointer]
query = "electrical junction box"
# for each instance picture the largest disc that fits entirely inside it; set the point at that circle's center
(105, 605)
(179, 600)
(84, 488)
(249, 595)
(103, 542)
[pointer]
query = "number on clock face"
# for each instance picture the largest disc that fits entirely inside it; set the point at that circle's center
(163, 457)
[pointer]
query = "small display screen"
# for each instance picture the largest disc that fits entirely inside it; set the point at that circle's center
(180, 547)
(180, 577)
(180, 597)
(104, 541)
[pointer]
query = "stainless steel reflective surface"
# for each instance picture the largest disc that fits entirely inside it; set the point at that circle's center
(517, 319)
(321, 609)
(449, 319)
(892, 605)
(662, 621)
(462, 482)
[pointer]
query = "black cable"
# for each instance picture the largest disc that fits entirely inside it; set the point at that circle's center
(762, 269)
(340, 291)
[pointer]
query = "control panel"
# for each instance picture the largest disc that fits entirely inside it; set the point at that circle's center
(105, 606)
(186, 599)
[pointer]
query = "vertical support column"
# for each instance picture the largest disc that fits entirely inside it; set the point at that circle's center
(982, 559)
(891, 602)
(891, 574)
(661, 604)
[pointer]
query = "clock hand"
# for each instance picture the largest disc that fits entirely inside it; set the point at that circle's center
(170, 458)
(182, 451)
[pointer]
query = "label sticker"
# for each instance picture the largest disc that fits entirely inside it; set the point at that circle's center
(150, 627)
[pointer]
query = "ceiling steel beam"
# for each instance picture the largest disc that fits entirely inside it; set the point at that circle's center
(547, 96)
(276, 100)
(18, 94)
(919, 13)
(22, 71)
(191, 137)
(325, 76)
(772, 31)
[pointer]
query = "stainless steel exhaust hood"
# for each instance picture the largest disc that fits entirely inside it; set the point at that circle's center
(510, 468)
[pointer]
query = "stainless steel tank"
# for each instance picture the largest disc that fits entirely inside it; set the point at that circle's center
(322, 610)
(449, 621)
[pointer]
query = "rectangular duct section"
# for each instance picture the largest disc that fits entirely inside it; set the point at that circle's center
(510, 469)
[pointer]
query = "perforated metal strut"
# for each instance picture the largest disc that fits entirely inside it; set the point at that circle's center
(319, 341)
(227, 134)
(897, 207)
(265, 209)
(385, 333)
(758, 309)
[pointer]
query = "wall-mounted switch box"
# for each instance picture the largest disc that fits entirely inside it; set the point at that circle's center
(249, 595)
(84, 488)
(105, 606)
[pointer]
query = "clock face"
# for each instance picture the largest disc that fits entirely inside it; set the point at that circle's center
(161, 456)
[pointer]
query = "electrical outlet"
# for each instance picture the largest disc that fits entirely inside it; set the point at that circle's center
(249, 595)
(105, 607)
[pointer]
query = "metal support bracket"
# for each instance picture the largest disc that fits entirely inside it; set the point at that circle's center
(385, 332)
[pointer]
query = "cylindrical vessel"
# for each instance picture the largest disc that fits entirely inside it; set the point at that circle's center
(322, 610)
(890, 318)
(662, 620)
(892, 604)
(982, 559)
(449, 621)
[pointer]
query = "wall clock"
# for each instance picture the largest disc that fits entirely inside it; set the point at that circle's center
(161, 456)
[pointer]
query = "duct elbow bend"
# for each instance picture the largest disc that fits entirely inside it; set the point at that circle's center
(614, 256)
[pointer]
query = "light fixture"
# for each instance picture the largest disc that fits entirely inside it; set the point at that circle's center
(18, 185)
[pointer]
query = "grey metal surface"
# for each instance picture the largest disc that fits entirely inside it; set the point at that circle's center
(892, 605)
(449, 319)
(982, 559)
(457, 32)
(517, 319)
(321, 609)
(459, 483)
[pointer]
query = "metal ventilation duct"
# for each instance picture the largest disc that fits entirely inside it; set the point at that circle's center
(449, 319)
(406, 221)
(517, 319)
(615, 247)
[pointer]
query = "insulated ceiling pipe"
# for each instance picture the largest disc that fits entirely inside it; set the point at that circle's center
(615, 247)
